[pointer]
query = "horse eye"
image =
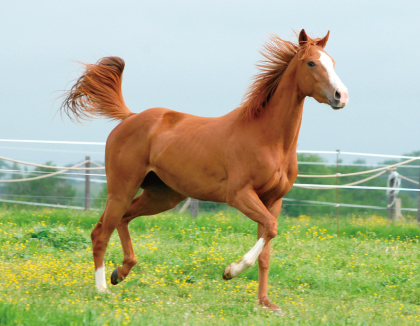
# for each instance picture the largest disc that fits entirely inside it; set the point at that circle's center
(311, 64)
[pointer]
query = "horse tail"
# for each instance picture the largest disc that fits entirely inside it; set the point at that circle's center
(98, 92)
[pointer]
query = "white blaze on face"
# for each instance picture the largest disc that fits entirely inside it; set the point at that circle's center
(100, 279)
(327, 62)
(248, 260)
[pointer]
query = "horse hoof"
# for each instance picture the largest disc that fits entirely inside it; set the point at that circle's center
(277, 312)
(114, 277)
(106, 292)
(103, 290)
(226, 274)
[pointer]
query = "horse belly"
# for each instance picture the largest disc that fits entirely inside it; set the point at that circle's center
(193, 181)
(191, 171)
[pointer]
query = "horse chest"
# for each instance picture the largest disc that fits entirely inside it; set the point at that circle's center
(276, 180)
(275, 185)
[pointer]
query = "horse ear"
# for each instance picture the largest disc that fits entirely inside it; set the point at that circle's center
(323, 42)
(303, 38)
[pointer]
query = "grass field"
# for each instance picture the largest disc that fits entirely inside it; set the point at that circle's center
(367, 276)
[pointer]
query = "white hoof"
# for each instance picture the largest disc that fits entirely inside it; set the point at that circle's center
(102, 290)
(278, 312)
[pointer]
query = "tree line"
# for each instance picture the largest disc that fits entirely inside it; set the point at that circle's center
(349, 196)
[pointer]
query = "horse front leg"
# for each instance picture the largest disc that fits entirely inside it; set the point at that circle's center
(248, 202)
(264, 265)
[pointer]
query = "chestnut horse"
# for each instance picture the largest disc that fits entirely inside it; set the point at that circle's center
(246, 158)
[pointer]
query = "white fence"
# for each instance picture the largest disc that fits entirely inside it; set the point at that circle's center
(82, 172)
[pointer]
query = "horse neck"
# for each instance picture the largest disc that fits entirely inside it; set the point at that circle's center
(282, 117)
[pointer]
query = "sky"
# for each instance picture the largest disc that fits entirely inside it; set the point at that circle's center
(198, 57)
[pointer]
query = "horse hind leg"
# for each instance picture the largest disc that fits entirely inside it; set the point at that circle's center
(110, 219)
(130, 260)
(149, 202)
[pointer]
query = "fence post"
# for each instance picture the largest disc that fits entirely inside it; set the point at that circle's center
(87, 184)
(418, 206)
(337, 199)
(391, 204)
(398, 215)
(194, 207)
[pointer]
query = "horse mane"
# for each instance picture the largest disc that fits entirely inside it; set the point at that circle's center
(277, 55)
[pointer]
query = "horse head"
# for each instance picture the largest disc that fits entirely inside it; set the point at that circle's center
(317, 75)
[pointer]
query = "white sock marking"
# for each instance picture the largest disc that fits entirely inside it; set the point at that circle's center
(248, 260)
(100, 279)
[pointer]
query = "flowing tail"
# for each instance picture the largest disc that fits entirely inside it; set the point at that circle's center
(98, 92)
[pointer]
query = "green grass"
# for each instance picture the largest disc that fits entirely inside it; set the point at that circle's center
(367, 276)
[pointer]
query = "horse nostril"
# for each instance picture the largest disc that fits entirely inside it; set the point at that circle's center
(337, 95)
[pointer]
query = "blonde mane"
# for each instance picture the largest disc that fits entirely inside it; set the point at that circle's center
(277, 55)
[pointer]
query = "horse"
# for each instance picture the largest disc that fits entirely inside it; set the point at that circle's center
(246, 158)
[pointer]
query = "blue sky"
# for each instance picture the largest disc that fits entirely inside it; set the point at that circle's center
(198, 57)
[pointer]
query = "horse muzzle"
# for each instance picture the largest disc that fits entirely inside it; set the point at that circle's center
(341, 97)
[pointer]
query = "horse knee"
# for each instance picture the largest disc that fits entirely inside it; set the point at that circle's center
(271, 229)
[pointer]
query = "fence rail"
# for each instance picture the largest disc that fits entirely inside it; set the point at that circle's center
(83, 171)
